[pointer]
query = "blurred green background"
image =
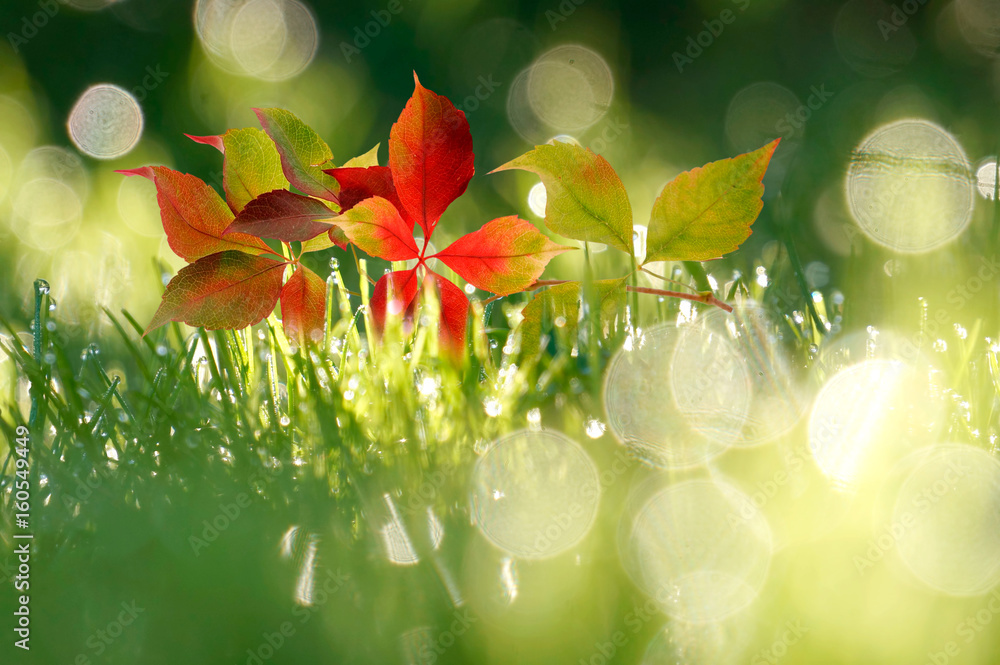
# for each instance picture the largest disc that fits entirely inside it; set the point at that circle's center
(656, 88)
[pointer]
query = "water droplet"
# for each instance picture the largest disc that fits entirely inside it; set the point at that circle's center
(493, 407)
(285, 421)
(334, 263)
(595, 428)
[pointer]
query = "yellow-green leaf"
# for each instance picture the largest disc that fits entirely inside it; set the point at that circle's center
(585, 197)
(252, 167)
(302, 151)
(707, 212)
(370, 158)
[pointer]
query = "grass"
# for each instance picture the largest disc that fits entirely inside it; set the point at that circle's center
(130, 465)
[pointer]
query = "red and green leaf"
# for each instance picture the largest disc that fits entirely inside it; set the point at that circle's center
(283, 216)
(303, 307)
(358, 184)
(302, 152)
(585, 197)
(454, 319)
(392, 296)
(430, 155)
(229, 289)
(374, 225)
(505, 256)
(707, 212)
(194, 216)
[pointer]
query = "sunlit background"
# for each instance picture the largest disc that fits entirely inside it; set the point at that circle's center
(810, 479)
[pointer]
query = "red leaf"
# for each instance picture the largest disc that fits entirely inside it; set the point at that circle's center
(358, 184)
(374, 225)
(430, 154)
(392, 296)
(194, 216)
(282, 215)
(303, 306)
(224, 290)
(505, 256)
(214, 141)
(454, 315)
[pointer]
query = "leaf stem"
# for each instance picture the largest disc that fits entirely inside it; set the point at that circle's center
(667, 279)
(358, 265)
(706, 297)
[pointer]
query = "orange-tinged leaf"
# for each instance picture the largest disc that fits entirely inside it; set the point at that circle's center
(282, 215)
(392, 296)
(374, 225)
(302, 152)
(707, 212)
(225, 290)
(303, 307)
(358, 184)
(505, 256)
(214, 141)
(454, 315)
(194, 216)
(585, 198)
(430, 155)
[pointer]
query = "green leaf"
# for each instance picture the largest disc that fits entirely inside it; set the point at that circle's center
(707, 212)
(585, 197)
(302, 152)
(563, 301)
(252, 167)
(370, 158)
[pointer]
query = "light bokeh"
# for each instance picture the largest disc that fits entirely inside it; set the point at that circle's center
(948, 519)
(910, 186)
(106, 122)
(703, 550)
(535, 494)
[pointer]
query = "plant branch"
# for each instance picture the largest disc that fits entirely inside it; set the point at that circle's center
(667, 279)
(706, 297)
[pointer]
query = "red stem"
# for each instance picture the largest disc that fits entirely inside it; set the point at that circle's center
(706, 298)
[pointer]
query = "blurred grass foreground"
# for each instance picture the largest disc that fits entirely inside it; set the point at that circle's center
(812, 478)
